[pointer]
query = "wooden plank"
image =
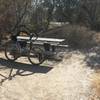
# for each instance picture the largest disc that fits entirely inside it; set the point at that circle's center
(41, 39)
(41, 43)
(54, 44)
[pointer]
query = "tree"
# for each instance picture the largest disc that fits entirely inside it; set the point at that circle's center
(90, 12)
(12, 13)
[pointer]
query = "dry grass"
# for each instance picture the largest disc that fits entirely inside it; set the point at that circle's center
(96, 84)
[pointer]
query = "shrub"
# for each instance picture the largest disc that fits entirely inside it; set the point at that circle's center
(80, 37)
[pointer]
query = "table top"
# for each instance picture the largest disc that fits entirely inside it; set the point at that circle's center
(41, 39)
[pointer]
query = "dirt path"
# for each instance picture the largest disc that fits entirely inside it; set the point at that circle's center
(67, 80)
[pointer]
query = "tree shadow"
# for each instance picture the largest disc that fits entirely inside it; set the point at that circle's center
(93, 59)
(22, 69)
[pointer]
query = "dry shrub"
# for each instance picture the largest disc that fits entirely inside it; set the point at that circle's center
(79, 36)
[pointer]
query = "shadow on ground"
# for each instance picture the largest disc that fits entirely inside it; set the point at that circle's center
(21, 69)
(93, 58)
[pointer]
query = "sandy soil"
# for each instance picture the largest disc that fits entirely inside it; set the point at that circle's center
(66, 80)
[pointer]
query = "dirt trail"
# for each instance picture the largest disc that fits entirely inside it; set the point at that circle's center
(67, 80)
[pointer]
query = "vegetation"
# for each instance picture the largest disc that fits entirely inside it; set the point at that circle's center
(37, 14)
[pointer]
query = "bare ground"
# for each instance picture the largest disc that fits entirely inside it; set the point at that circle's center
(71, 79)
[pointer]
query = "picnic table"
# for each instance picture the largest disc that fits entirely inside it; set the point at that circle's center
(50, 45)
